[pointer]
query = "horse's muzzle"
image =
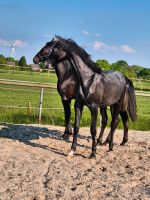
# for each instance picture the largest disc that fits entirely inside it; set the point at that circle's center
(36, 60)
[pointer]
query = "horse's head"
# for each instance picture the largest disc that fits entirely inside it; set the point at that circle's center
(43, 54)
(52, 53)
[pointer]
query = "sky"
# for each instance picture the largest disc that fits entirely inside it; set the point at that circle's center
(107, 29)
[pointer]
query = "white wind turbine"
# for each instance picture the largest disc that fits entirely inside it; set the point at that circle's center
(12, 46)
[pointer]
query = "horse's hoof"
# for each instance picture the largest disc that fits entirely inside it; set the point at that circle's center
(104, 143)
(66, 136)
(92, 156)
(71, 153)
(110, 150)
(99, 144)
(122, 144)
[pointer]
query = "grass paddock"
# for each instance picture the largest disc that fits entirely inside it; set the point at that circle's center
(21, 96)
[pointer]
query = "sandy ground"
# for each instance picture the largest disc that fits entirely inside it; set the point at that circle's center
(34, 166)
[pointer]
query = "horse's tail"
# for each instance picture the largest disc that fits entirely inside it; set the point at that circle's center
(131, 99)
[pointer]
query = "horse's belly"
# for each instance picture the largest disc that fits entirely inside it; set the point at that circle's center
(111, 97)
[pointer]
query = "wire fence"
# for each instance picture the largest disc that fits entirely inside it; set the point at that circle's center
(37, 87)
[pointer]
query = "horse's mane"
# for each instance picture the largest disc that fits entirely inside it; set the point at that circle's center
(70, 45)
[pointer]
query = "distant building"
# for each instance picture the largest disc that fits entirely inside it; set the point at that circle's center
(35, 67)
(10, 63)
(48, 66)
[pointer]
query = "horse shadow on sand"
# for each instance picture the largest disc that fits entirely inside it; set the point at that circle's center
(28, 133)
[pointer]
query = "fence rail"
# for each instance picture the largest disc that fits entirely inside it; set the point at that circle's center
(27, 83)
(43, 86)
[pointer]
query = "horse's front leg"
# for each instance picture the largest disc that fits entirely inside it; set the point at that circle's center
(67, 111)
(94, 112)
(103, 113)
(78, 113)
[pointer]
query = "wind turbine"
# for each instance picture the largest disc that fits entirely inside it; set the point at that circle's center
(12, 46)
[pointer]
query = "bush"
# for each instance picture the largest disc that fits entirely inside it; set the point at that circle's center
(144, 73)
(2, 59)
(22, 62)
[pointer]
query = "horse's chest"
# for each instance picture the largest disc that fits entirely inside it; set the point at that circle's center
(67, 90)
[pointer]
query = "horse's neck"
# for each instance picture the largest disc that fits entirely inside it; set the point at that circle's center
(83, 71)
(62, 69)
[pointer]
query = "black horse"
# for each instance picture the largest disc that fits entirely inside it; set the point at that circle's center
(68, 88)
(99, 89)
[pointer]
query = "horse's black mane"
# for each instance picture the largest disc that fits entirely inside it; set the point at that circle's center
(71, 45)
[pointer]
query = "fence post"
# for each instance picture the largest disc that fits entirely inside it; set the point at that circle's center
(100, 121)
(41, 101)
(30, 107)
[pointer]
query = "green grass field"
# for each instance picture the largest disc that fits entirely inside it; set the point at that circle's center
(52, 108)
(141, 84)
(29, 76)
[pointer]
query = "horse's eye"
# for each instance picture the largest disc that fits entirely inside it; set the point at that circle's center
(55, 49)
(57, 46)
(50, 50)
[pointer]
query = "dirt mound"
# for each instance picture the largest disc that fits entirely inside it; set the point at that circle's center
(34, 166)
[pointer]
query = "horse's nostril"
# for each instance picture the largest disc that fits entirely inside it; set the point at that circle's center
(35, 60)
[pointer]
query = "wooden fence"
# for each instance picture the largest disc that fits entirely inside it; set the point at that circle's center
(42, 87)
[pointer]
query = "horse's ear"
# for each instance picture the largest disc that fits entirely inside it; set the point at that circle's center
(55, 38)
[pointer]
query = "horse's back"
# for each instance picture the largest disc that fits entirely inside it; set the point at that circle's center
(114, 77)
(114, 84)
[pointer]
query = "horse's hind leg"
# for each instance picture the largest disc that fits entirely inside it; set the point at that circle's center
(114, 123)
(125, 121)
(78, 113)
(109, 135)
(104, 123)
(67, 110)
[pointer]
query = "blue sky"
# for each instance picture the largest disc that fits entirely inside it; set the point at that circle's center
(108, 29)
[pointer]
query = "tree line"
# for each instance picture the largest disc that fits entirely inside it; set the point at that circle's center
(10, 60)
(131, 71)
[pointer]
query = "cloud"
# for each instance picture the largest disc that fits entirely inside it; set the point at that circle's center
(86, 45)
(126, 49)
(99, 45)
(102, 46)
(85, 32)
(4, 42)
(97, 35)
(18, 43)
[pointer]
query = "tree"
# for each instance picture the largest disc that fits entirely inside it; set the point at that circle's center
(122, 63)
(123, 67)
(103, 64)
(2, 59)
(119, 65)
(42, 65)
(136, 68)
(10, 59)
(115, 67)
(144, 73)
(17, 62)
(22, 62)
